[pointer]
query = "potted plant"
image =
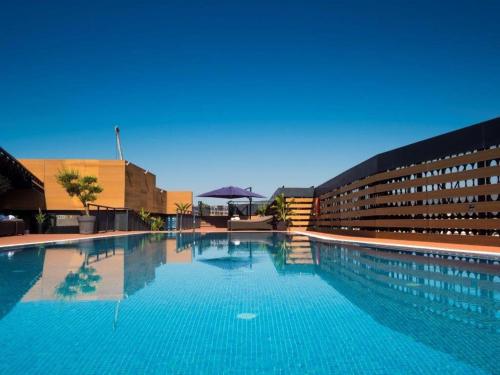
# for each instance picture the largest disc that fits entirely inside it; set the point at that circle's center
(40, 218)
(182, 209)
(86, 190)
(282, 212)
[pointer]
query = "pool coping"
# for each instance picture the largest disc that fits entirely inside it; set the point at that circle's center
(73, 239)
(405, 247)
(14, 246)
(414, 247)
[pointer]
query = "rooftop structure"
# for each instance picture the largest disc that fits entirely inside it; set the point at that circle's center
(125, 185)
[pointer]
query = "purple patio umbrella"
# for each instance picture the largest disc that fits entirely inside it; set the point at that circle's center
(232, 192)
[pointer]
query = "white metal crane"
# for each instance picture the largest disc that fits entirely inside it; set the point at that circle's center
(119, 150)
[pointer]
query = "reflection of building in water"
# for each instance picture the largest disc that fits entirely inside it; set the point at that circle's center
(451, 306)
(142, 256)
(67, 274)
(176, 254)
(109, 269)
(18, 271)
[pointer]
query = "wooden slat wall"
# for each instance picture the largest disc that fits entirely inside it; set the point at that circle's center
(141, 190)
(302, 211)
(454, 199)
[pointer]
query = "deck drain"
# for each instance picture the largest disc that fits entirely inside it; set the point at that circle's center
(246, 316)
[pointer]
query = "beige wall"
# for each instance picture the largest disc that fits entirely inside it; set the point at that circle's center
(124, 185)
(110, 174)
(174, 197)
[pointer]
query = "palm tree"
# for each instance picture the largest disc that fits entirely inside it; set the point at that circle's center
(282, 209)
(182, 209)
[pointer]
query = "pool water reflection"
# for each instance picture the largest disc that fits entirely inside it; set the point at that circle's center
(247, 303)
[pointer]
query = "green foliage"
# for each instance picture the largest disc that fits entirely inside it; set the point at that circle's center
(157, 223)
(84, 188)
(40, 217)
(145, 215)
(182, 208)
(282, 208)
(83, 281)
(262, 210)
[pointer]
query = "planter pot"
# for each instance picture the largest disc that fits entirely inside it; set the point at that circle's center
(282, 225)
(86, 224)
(39, 227)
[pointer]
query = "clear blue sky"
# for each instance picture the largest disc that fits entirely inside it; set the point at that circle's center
(261, 93)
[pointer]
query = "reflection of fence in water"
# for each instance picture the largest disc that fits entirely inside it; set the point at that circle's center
(299, 250)
(441, 286)
(448, 305)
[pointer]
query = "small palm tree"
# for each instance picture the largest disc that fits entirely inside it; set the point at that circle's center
(145, 215)
(40, 218)
(282, 208)
(157, 223)
(182, 209)
(84, 188)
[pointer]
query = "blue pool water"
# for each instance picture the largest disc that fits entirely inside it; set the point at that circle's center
(249, 303)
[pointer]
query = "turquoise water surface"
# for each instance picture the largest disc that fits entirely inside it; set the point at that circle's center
(248, 303)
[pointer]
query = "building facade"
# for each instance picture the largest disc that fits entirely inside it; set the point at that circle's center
(125, 185)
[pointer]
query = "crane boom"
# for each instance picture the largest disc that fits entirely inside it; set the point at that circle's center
(118, 144)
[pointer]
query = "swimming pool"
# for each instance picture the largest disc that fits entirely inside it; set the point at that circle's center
(247, 303)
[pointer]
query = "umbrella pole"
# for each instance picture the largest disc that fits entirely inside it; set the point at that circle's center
(250, 208)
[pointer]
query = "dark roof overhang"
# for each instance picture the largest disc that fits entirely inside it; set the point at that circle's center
(13, 175)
